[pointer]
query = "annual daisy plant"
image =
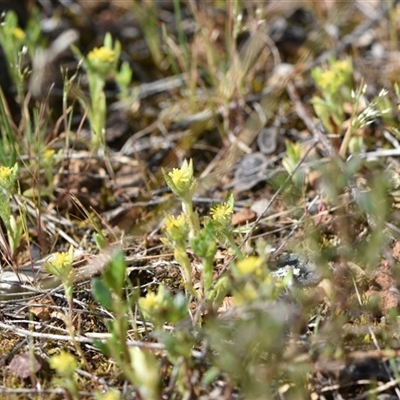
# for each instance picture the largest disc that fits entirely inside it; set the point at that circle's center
(101, 64)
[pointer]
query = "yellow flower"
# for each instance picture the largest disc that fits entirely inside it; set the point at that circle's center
(102, 54)
(64, 363)
(179, 176)
(48, 154)
(221, 212)
(173, 222)
(60, 265)
(18, 33)
(154, 304)
(5, 172)
(181, 180)
(326, 79)
(61, 260)
(342, 66)
(176, 228)
(149, 302)
(249, 265)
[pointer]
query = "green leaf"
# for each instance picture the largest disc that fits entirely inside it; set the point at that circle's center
(100, 241)
(114, 274)
(169, 182)
(36, 192)
(397, 90)
(77, 52)
(124, 76)
(201, 243)
(230, 200)
(102, 347)
(102, 293)
(108, 41)
(210, 376)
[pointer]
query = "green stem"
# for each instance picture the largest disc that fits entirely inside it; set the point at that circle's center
(208, 269)
(184, 262)
(193, 217)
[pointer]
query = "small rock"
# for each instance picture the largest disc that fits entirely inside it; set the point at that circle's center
(267, 140)
(250, 171)
(24, 365)
(243, 216)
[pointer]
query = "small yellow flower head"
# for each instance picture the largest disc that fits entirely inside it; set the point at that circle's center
(249, 265)
(222, 213)
(60, 265)
(102, 55)
(64, 363)
(100, 62)
(154, 304)
(18, 33)
(326, 79)
(5, 172)
(176, 228)
(181, 180)
(182, 177)
(61, 260)
(8, 177)
(148, 303)
(338, 74)
(344, 66)
(48, 154)
(173, 222)
(49, 158)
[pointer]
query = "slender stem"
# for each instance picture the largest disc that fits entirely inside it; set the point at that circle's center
(193, 218)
